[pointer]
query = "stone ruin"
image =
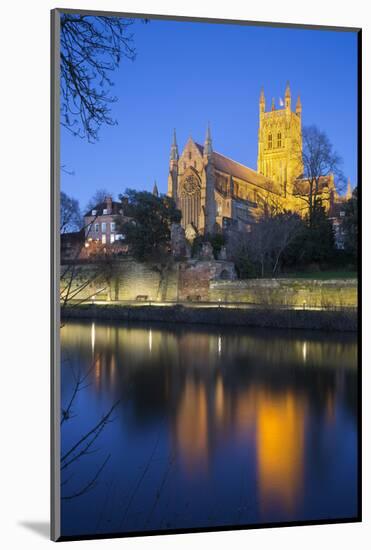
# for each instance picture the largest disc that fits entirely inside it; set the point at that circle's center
(180, 248)
(206, 253)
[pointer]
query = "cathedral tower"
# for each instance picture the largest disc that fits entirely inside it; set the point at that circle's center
(280, 142)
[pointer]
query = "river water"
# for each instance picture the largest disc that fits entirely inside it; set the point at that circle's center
(211, 427)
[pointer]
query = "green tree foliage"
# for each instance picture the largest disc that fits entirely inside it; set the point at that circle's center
(148, 230)
(314, 243)
(350, 225)
(217, 240)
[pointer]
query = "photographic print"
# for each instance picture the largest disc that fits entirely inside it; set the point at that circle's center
(206, 181)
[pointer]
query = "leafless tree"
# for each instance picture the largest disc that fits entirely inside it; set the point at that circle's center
(265, 244)
(98, 198)
(320, 162)
(85, 444)
(91, 49)
(70, 215)
(78, 276)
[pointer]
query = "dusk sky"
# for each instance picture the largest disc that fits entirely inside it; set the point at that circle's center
(186, 74)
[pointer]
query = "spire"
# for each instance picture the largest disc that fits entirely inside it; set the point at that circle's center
(174, 155)
(155, 190)
(273, 107)
(288, 91)
(208, 148)
(298, 106)
(349, 190)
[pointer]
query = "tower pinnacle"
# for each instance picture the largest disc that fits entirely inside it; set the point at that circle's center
(298, 106)
(287, 97)
(174, 155)
(208, 148)
(155, 190)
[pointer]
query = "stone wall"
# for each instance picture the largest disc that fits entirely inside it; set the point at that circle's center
(195, 278)
(214, 281)
(128, 280)
(287, 292)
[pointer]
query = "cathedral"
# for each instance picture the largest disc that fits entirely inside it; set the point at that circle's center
(215, 192)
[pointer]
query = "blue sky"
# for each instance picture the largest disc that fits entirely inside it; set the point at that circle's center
(186, 74)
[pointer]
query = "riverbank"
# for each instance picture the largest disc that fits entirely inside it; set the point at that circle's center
(336, 320)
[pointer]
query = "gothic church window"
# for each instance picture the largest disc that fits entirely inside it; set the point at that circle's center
(269, 141)
(190, 155)
(279, 139)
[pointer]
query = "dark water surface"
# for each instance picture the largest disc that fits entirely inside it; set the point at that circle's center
(213, 427)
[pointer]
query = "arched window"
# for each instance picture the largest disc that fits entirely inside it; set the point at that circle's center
(279, 139)
(269, 141)
(190, 155)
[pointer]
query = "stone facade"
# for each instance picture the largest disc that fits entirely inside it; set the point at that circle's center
(215, 192)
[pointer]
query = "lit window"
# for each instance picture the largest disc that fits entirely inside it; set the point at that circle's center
(97, 227)
(105, 211)
(112, 238)
(104, 238)
(279, 139)
(269, 141)
(113, 226)
(104, 227)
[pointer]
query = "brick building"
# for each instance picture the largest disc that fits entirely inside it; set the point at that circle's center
(100, 222)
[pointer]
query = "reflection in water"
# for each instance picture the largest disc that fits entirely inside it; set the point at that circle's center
(191, 426)
(280, 448)
(249, 426)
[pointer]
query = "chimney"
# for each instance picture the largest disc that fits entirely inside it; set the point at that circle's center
(108, 201)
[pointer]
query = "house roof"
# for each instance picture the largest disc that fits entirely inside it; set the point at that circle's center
(237, 170)
(116, 207)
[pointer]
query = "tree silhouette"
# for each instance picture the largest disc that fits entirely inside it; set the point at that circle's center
(91, 48)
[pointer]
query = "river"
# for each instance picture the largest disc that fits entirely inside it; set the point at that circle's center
(210, 427)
